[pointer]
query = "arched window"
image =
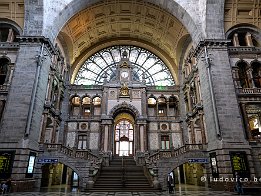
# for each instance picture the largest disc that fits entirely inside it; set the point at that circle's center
(256, 72)
(145, 64)
(162, 106)
(75, 105)
(3, 70)
(8, 32)
(173, 106)
(242, 73)
(96, 101)
(152, 102)
(86, 106)
(96, 105)
(245, 36)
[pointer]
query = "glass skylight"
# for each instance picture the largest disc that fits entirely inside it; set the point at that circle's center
(144, 63)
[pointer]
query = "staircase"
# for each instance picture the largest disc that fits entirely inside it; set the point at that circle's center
(129, 178)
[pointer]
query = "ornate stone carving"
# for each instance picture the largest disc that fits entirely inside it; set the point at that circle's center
(125, 107)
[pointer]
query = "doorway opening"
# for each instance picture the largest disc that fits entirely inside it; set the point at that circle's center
(59, 177)
(124, 135)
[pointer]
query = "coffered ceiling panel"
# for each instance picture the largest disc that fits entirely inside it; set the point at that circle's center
(13, 10)
(132, 19)
(241, 12)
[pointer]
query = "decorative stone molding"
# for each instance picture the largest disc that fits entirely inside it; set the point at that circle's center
(38, 39)
(210, 43)
(124, 107)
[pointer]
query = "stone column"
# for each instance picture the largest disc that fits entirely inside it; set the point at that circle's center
(235, 40)
(167, 107)
(50, 86)
(106, 138)
(104, 102)
(250, 78)
(43, 128)
(141, 138)
(144, 103)
(11, 68)
(249, 41)
(192, 132)
(223, 98)
(197, 89)
(202, 128)
(223, 120)
(106, 135)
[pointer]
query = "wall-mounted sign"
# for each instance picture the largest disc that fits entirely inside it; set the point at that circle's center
(240, 164)
(6, 163)
(47, 160)
(30, 166)
(214, 164)
(198, 160)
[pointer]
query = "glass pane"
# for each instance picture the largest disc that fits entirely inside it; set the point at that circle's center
(105, 61)
(130, 147)
(117, 147)
(124, 148)
(163, 144)
(167, 144)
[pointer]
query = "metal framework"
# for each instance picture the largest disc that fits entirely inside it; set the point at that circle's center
(104, 62)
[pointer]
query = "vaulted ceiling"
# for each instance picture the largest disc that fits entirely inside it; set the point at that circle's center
(125, 22)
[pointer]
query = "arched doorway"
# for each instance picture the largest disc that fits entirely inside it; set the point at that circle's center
(124, 135)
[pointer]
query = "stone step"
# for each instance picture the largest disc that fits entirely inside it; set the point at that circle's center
(110, 178)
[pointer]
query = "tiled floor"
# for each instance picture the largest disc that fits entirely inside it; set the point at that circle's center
(179, 190)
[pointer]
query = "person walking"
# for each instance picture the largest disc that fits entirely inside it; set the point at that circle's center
(239, 186)
(9, 183)
(4, 188)
(170, 183)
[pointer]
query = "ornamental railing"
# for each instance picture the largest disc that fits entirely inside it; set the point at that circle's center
(74, 153)
(173, 152)
(249, 91)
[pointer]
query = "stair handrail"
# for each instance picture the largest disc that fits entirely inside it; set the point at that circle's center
(123, 180)
(72, 152)
(173, 152)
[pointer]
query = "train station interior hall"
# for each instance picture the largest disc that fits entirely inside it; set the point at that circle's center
(130, 97)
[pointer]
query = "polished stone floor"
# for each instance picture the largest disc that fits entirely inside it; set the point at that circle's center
(179, 190)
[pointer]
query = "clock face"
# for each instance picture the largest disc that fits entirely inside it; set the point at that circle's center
(124, 74)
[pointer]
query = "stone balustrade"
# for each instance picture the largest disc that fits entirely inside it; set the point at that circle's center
(75, 153)
(173, 152)
(249, 91)
(4, 88)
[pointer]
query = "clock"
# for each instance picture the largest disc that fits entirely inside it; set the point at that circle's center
(124, 74)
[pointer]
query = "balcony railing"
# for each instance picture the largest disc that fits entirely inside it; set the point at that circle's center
(4, 88)
(248, 91)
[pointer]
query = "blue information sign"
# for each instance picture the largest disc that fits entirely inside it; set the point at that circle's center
(47, 160)
(198, 160)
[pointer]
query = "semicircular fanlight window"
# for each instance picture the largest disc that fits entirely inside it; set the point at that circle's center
(146, 65)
